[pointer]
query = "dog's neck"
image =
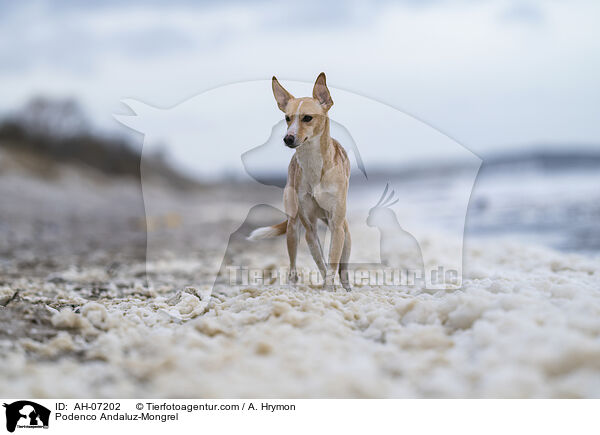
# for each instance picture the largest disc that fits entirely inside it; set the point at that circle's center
(313, 155)
(320, 143)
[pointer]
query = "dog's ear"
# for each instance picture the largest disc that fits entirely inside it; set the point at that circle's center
(281, 95)
(321, 93)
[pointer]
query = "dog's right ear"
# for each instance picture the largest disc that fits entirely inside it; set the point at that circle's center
(281, 95)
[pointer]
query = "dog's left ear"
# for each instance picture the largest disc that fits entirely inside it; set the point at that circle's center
(321, 93)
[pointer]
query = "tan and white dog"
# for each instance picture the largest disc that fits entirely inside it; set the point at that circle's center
(317, 184)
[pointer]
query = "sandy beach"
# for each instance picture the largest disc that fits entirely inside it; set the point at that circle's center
(101, 322)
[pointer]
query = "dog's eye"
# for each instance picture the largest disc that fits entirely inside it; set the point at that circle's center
(306, 118)
(287, 118)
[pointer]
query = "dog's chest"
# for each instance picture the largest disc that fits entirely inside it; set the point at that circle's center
(310, 160)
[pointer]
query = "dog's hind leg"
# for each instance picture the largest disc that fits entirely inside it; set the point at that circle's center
(290, 202)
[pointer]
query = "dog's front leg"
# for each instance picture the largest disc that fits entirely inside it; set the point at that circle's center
(292, 246)
(312, 240)
(345, 259)
(335, 250)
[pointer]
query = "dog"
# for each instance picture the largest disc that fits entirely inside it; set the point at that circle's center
(317, 183)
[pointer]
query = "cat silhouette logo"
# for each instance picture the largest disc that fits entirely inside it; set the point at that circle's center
(26, 414)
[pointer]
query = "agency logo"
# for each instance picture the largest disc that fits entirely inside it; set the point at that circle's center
(24, 414)
(403, 171)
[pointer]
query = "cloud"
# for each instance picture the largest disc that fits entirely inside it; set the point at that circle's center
(454, 64)
(523, 12)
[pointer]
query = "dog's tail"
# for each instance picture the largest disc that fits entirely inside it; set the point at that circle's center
(268, 232)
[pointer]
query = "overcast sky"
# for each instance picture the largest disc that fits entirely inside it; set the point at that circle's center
(491, 74)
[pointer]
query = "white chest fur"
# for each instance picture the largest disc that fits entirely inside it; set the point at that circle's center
(310, 160)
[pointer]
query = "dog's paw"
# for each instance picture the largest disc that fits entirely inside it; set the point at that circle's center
(329, 283)
(292, 277)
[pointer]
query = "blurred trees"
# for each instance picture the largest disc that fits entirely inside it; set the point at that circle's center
(58, 130)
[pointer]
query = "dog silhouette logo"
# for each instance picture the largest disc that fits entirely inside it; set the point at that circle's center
(225, 131)
(26, 414)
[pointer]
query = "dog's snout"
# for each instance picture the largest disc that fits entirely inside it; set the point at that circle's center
(289, 140)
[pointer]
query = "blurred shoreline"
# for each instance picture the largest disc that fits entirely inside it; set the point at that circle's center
(544, 196)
